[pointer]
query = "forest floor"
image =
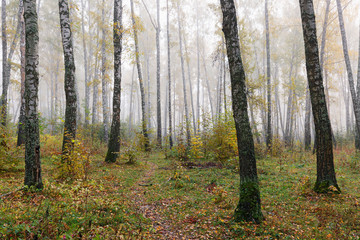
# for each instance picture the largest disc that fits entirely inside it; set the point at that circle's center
(159, 198)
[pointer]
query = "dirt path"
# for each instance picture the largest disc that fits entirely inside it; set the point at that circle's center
(163, 227)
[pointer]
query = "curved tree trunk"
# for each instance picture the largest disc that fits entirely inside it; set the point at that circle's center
(324, 150)
(32, 143)
(249, 207)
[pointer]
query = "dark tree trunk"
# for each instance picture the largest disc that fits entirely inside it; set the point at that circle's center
(268, 77)
(169, 72)
(69, 80)
(249, 207)
(32, 143)
(114, 141)
(141, 82)
(324, 150)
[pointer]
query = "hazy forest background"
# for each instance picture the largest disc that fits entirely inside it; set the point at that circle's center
(168, 166)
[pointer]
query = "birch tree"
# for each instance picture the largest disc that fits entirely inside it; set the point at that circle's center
(32, 143)
(114, 140)
(326, 179)
(141, 81)
(249, 206)
(69, 80)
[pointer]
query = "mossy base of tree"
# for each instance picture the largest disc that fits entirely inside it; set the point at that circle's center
(326, 186)
(111, 157)
(249, 207)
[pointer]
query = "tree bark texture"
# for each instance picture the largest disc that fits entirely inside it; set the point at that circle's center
(114, 140)
(69, 80)
(326, 179)
(32, 143)
(249, 206)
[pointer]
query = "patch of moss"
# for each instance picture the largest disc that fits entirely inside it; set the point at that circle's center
(326, 186)
(249, 207)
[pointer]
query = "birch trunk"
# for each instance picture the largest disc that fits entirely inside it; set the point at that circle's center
(158, 95)
(70, 84)
(5, 84)
(21, 128)
(354, 93)
(169, 72)
(249, 206)
(114, 141)
(141, 83)
(32, 143)
(86, 67)
(190, 84)
(104, 84)
(268, 77)
(188, 137)
(324, 150)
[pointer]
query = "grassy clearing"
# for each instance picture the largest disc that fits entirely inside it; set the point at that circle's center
(159, 198)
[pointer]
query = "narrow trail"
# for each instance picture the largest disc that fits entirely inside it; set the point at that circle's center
(163, 227)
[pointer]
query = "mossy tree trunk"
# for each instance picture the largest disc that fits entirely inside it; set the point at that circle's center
(249, 206)
(114, 140)
(32, 143)
(70, 91)
(326, 179)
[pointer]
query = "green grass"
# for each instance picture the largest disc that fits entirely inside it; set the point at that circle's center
(158, 198)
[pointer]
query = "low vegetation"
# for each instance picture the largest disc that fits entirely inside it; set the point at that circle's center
(158, 197)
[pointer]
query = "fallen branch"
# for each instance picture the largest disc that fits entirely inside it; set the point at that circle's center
(8, 194)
